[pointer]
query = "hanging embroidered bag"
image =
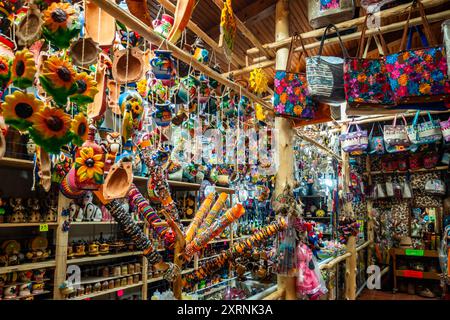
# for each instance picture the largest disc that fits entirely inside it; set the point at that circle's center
(356, 141)
(419, 75)
(425, 132)
(291, 96)
(445, 128)
(365, 80)
(376, 144)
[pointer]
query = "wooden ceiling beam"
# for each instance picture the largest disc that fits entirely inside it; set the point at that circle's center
(396, 11)
(236, 60)
(349, 37)
(269, 53)
(134, 24)
(256, 11)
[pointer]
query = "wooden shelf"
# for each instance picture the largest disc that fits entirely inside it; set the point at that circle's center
(100, 223)
(27, 224)
(30, 295)
(105, 292)
(209, 257)
(16, 163)
(318, 218)
(103, 257)
(440, 168)
(417, 274)
(415, 253)
(101, 279)
(314, 196)
(28, 266)
(155, 279)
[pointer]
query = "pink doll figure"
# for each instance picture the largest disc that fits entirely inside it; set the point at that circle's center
(308, 281)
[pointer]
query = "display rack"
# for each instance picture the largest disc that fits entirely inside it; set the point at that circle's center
(61, 261)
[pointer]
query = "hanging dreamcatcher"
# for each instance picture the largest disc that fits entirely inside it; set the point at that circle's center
(258, 81)
(227, 28)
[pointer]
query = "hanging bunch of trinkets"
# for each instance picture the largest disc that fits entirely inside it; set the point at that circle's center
(227, 27)
(236, 250)
(347, 227)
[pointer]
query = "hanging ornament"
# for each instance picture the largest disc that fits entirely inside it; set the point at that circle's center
(51, 129)
(258, 81)
(23, 69)
(79, 129)
(61, 24)
(19, 110)
(58, 79)
(227, 28)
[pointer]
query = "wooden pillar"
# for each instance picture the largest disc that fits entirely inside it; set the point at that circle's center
(144, 268)
(350, 270)
(283, 127)
(370, 222)
(62, 239)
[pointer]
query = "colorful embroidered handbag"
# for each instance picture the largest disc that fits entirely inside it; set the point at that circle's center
(323, 114)
(425, 132)
(291, 96)
(419, 75)
(376, 144)
(365, 80)
(445, 128)
(325, 74)
(356, 141)
(324, 12)
(395, 135)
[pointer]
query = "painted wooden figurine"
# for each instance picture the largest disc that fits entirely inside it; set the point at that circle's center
(112, 145)
(18, 215)
(91, 211)
(35, 210)
(75, 212)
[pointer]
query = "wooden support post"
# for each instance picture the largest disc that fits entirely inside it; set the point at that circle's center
(283, 127)
(370, 222)
(350, 270)
(144, 269)
(62, 239)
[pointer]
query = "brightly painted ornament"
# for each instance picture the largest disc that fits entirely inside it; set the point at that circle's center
(61, 24)
(86, 89)
(20, 109)
(89, 163)
(163, 26)
(258, 81)
(23, 69)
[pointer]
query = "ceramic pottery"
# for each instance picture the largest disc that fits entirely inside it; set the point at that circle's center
(89, 163)
(118, 181)
(29, 26)
(163, 114)
(163, 65)
(128, 65)
(188, 88)
(201, 55)
(84, 52)
(61, 24)
(163, 26)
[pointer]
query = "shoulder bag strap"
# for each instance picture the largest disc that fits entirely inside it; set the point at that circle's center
(430, 37)
(303, 52)
(291, 46)
(416, 118)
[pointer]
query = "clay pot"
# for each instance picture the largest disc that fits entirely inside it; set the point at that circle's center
(133, 59)
(139, 9)
(84, 52)
(163, 26)
(118, 181)
(29, 26)
(162, 65)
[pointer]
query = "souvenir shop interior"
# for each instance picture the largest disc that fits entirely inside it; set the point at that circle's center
(224, 150)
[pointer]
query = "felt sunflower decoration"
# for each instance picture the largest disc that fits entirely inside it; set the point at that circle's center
(51, 129)
(259, 113)
(89, 166)
(258, 81)
(79, 129)
(5, 71)
(61, 24)
(58, 79)
(23, 69)
(227, 27)
(20, 109)
(86, 89)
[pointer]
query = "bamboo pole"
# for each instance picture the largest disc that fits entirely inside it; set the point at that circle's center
(377, 118)
(335, 261)
(134, 24)
(62, 239)
(262, 63)
(285, 173)
(350, 270)
(169, 6)
(396, 11)
(320, 146)
(269, 53)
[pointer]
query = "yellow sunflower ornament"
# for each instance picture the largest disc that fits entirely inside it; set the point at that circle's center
(86, 89)
(258, 81)
(79, 129)
(61, 24)
(51, 129)
(23, 69)
(58, 78)
(20, 109)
